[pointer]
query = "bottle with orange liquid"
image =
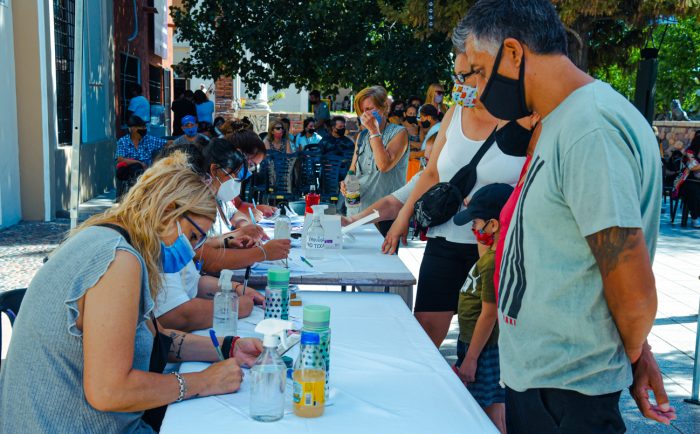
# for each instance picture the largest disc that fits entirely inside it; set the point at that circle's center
(309, 378)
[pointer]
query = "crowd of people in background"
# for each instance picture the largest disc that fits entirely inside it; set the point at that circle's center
(557, 178)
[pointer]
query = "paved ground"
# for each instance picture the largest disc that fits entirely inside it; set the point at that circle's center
(677, 267)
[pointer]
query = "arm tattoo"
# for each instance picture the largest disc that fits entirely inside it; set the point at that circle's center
(176, 345)
(610, 245)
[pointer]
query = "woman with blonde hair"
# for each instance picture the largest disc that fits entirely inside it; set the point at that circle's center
(83, 354)
(381, 150)
(435, 97)
(277, 138)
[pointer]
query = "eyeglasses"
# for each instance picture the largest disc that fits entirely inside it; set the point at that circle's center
(438, 92)
(278, 128)
(203, 235)
(461, 77)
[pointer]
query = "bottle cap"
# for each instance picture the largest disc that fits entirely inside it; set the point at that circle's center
(310, 338)
(317, 316)
(278, 276)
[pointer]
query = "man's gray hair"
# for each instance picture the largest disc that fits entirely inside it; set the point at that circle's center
(535, 23)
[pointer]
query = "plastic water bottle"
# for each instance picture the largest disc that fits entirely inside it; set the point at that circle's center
(225, 321)
(309, 378)
(277, 293)
(269, 374)
(316, 236)
(283, 225)
(352, 193)
(317, 319)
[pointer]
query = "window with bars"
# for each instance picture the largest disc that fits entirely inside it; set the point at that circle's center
(155, 84)
(64, 37)
(129, 77)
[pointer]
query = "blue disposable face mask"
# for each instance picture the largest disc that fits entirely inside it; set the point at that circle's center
(190, 132)
(377, 116)
(177, 256)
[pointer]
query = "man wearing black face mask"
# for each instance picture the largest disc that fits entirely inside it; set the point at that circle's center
(337, 143)
(577, 296)
(135, 150)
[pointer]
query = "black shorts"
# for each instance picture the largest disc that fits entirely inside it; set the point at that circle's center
(443, 271)
(558, 411)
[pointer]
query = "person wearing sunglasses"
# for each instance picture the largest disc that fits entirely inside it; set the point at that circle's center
(277, 138)
(86, 337)
(435, 97)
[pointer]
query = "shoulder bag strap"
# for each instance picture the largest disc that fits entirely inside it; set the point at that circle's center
(462, 177)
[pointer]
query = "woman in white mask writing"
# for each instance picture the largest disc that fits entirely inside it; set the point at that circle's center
(228, 162)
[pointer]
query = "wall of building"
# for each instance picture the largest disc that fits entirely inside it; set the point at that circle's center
(139, 47)
(98, 116)
(10, 204)
(30, 19)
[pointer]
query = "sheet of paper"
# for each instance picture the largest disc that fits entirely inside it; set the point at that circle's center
(360, 222)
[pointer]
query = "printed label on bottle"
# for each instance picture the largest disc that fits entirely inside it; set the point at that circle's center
(309, 394)
(314, 242)
(352, 199)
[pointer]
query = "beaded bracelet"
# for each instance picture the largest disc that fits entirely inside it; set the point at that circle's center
(183, 386)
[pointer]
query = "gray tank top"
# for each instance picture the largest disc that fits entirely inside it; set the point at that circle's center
(374, 184)
(41, 382)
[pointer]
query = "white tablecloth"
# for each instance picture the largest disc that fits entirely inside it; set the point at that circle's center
(386, 377)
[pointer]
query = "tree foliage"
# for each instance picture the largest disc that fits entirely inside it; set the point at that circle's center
(323, 44)
(679, 66)
(600, 31)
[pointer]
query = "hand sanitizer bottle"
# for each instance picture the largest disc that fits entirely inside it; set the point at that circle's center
(225, 321)
(269, 373)
(283, 225)
(316, 236)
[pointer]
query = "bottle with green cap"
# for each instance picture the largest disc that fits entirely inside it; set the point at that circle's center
(277, 294)
(317, 319)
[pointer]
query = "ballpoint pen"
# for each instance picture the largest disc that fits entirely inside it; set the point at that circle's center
(245, 279)
(215, 341)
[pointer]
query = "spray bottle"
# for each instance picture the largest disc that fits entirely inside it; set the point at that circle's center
(316, 236)
(225, 321)
(269, 373)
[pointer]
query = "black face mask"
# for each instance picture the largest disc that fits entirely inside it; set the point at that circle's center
(141, 131)
(425, 124)
(504, 97)
(311, 130)
(513, 139)
(340, 131)
(412, 119)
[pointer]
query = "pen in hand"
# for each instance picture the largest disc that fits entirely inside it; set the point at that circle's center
(215, 341)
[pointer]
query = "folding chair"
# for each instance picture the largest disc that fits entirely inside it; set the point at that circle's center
(10, 302)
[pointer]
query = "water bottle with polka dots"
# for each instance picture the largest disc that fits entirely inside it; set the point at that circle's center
(317, 320)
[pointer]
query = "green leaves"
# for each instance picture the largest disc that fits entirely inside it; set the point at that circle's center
(325, 44)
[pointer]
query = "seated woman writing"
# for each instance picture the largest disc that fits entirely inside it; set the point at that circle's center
(83, 356)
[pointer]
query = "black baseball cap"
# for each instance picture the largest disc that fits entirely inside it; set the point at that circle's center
(485, 204)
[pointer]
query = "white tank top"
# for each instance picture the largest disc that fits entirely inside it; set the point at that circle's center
(494, 167)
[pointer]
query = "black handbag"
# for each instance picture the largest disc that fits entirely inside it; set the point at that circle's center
(442, 201)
